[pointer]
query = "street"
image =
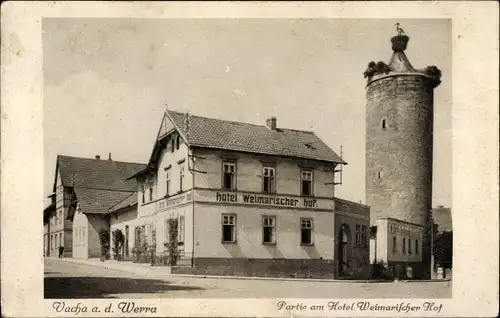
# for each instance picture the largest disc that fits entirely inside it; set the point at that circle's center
(69, 280)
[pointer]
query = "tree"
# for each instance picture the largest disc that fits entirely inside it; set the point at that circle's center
(443, 249)
(173, 251)
(118, 240)
(104, 241)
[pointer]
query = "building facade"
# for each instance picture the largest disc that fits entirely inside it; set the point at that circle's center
(399, 143)
(228, 198)
(86, 192)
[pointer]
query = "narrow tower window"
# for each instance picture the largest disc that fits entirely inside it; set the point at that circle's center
(383, 124)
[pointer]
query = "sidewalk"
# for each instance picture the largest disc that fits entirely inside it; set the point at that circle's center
(135, 268)
(146, 268)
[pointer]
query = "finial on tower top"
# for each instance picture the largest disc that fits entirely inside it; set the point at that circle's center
(400, 41)
(400, 31)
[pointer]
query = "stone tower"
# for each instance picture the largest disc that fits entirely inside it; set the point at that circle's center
(399, 138)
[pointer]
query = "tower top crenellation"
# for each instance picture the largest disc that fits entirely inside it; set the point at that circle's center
(399, 63)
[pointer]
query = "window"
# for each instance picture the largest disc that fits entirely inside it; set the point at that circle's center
(416, 246)
(269, 179)
(409, 246)
(137, 238)
(380, 174)
(306, 182)
(181, 177)
(306, 231)
(383, 124)
(167, 234)
(143, 193)
(229, 175)
(178, 141)
(167, 182)
(358, 235)
(144, 236)
(180, 233)
(404, 246)
(151, 191)
(394, 244)
(172, 145)
(269, 229)
(364, 241)
(228, 228)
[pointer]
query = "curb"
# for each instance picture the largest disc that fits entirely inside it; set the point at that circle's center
(137, 268)
(282, 279)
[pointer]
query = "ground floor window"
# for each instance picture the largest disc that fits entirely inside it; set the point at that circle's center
(228, 228)
(269, 229)
(306, 231)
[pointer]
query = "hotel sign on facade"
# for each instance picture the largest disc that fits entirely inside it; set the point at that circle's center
(174, 201)
(280, 201)
(404, 230)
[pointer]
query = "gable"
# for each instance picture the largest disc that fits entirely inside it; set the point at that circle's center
(165, 127)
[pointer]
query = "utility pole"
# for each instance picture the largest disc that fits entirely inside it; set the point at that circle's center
(432, 245)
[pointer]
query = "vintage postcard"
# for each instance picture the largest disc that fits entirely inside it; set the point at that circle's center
(249, 159)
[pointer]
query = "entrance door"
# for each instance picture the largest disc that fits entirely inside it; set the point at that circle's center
(343, 248)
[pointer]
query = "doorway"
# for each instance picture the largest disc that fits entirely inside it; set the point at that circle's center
(343, 249)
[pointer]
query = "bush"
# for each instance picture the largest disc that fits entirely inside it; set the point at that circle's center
(118, 241)
(104, 242)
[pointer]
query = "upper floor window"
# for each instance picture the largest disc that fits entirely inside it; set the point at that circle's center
(269, 179)
(364, 236)
(416, 246)
(358, 235)
(167, 182)
(228, 228)
(151, 191)
(181, 177)
(269, 229)
(409, 247)
(404, 246)
(229, 175)
(143, 193)
(306, 181)
(172, 145)
(383, 124)
(394, 244)
(177, 141)
(306, 231)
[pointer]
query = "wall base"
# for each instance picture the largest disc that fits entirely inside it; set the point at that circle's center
(290, 268)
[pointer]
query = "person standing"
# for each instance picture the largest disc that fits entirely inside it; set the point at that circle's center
(61, 250)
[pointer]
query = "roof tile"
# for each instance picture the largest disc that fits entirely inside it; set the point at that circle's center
(236, 136)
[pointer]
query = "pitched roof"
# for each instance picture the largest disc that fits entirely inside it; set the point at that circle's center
(97, 201)
(236, 136)
(98, 173)
(129, 201)
(98, 184)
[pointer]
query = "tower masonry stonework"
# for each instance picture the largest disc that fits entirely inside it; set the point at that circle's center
(399, 143)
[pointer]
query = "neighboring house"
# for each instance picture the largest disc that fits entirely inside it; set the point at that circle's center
(250, 200)
(48, 223)
(85, 191)
(123, 217)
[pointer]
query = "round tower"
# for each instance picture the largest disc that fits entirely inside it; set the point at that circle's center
(399, 137)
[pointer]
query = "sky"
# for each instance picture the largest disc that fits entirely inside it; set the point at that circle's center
(106, 83)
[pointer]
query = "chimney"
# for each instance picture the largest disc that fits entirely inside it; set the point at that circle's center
(98, 157)
(109, 158)
(271, 123)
